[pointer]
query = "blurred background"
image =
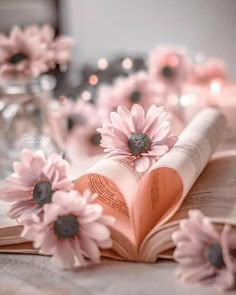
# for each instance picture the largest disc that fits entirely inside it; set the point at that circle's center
(114, 39)
(103, 28)
(118, 28)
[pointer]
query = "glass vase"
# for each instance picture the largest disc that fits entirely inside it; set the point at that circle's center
(24, 108)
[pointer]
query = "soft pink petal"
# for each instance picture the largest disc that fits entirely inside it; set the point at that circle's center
(64, 255)
(138, 117)
(78, 252)
(96, 231)
(91, 213)
(142, 164)
(90, 248)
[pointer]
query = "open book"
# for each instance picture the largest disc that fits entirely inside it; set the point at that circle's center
(148, 207)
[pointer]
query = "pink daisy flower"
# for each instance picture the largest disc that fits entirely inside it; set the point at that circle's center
(72, 229)
(138, 138)
(137, 88)
(23, 56)
(73, 126)
(170, 67)
(212, 69)
(35, 180)
(203, 253)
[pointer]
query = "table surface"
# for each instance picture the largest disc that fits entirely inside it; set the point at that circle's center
(33, 274)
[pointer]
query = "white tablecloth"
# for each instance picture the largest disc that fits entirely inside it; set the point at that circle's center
(33, 275)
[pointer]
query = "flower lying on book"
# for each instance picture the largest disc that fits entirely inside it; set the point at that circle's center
(72, 229)
(25, 54)
(33, 183)
(205, 255)
(138, 138)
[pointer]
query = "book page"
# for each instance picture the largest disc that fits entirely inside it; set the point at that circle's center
(164, 188)
(4, 219)
(116, 183)
(10, 230)
(214, 193)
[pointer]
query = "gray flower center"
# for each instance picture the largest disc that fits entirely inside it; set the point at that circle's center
(18, 57)
(135, 96)
(70, 123)
(66, 226)
(42, 193)
(167, 72)
(213, 254)
(73, 120)
(139, 143)
(233, 253)
(96, 139)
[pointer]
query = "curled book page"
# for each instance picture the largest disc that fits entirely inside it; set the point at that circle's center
(171, 178)
(116, 183)
(139, 202)
(214, 194)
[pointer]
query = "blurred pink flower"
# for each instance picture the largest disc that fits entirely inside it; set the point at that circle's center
(28, 53)
(73, 126)
(60, 47)
(67, 117)
(169, 67)
(23, 56)
(33, 183)
(46, 33)
(72, 229)
(137, 88)
(86, 140)
(203, 254)
(212, 69)
(138, 138)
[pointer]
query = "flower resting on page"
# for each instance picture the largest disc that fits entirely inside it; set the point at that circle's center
(35, 180)
(72, 229)
(204, 255)
(139, 138)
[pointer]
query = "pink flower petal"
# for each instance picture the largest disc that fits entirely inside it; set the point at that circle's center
(90, 248)
(63, 254)
(51, 212)
(142, 164)
(106, 244)
(138, 117)
(48, 243)
(95, 231)
(26, 156)
(107, 220)
(78, 252)
(64, 184)
(91, 213)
